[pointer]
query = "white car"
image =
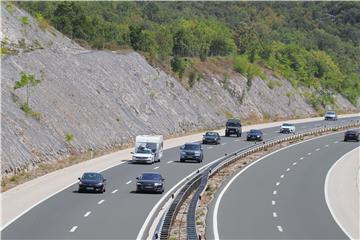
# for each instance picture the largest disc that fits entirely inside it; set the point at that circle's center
(143, 155)
(287, 128)
(330, 115)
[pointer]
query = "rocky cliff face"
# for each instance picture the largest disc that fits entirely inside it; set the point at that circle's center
(104, 99)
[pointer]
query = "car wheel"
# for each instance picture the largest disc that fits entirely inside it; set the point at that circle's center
(181, 160)
(79, 190)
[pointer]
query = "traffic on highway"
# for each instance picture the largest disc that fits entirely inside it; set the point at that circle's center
(120, 211)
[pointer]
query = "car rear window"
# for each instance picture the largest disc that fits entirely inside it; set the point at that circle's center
(91, 176)
(150, 176)
(192, 147)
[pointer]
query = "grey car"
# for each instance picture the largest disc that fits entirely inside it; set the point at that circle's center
(150, 182)
(191, 151)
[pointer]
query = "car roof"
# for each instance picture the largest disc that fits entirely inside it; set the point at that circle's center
(192, 143)
(233, 120)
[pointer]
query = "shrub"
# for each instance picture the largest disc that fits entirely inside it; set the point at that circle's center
(273, 83)
(25, 20)
(191, 79)
(69, 137)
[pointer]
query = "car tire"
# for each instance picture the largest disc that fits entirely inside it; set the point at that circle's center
(182, 160)
(79, 190)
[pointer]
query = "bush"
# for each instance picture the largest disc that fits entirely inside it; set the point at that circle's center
(273, 83)
(69, 137)
(25, 20)
(250, 70)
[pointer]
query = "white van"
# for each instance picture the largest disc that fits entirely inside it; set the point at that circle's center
(148, 149)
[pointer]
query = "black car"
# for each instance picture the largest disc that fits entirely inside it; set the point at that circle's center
(254, 135)
(191, 151)
(150, 182)
(91, 181)
(211, 137)
(233, 127)
(351, 135)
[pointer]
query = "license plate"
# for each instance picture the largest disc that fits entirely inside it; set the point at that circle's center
(148, 187)
(89, 188)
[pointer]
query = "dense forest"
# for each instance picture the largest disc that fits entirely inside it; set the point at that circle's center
(313, 44)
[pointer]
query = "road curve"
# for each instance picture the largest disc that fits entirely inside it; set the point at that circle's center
(281, 196)
(119, 213)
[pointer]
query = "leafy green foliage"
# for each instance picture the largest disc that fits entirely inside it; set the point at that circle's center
(25, 20)
(69, 137)
(250, 70)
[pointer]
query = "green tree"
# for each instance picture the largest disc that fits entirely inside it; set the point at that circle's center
(28, 81)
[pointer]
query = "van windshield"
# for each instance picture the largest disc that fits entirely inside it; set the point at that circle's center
(150, 146)
(143, 150)
(233, 124)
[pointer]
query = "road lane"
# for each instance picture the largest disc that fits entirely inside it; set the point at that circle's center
(277, 199)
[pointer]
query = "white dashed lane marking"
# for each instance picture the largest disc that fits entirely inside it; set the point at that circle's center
(288, 169)
(128, 182)
(277, 183)
(274, 214)
(294, 163)
(170, 161)
(114, 191)
(73, 229)
(87, 214)
(309, 153)
(101, 201)
(237, 140)
(282, 176)
(301, 158)
(274, 192)
(223, 143)
(318, 149)
(156, 167)
(273, 202)
(326, 145)
(280, 228)
(210, 147)
(336, 141)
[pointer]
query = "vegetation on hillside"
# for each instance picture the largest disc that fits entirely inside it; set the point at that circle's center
(313, 44)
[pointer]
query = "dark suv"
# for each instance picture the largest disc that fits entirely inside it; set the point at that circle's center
(191, 151)
(233, 127)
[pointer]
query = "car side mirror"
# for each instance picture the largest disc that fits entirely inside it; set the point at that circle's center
(137, 178)
(182, 148)
(131, 152)
(79, 178)
(104, 180)
(163, 179)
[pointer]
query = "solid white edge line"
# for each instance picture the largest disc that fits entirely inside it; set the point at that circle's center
(50, 196)
(218, 200)
(73, 229)
(326, 192)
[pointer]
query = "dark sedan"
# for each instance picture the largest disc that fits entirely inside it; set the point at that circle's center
(91, 181)
(211, 137)
(150, 182)
(351, 135)
(254, 135)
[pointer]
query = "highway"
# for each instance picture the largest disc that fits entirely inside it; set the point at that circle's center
(280, 196)
(119, 212)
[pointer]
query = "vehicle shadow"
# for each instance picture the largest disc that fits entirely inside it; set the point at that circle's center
(187, 161)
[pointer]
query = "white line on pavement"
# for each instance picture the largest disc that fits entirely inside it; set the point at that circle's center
(73, 229)
(288, 169)
(87, 214)
(237, 140)
(294, 163)
(277, 183)
(336, 141)
(156, 167)
(280, 228)
(309, 153)
(274, 192)
(128, 182)
(210, 147)
(101, 201)
(114, 191)
(273, 202)
(326, 145)
(301, 158)
(318, 149)
(170, 161)
(274, 214)
(282, 176)
(223, 143)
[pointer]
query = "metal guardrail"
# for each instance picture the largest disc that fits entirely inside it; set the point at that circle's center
(200, 180)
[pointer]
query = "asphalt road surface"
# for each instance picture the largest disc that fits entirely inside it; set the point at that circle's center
(282, 196)
(119, 213)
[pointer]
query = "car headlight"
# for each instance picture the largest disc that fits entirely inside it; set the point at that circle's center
(157, 184)
(182, 153)
(98, 184)
(139, 183)
(80, 183)
(197, 154)
(258, 136)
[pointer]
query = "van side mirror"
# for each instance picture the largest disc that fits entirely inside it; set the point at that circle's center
(163, 179)
(131, 152)
(104, 180)
(137, 178)
(79, 179)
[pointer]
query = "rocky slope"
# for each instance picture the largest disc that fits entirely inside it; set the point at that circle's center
(104, 99)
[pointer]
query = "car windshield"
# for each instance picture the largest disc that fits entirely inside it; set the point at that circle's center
(351, 132)
(287, 125)
(192, 147)
(211, 134)
(330, 113)
(143, 150)
(255, 131)
(150, 176)
(91, 176)
(233, 124)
